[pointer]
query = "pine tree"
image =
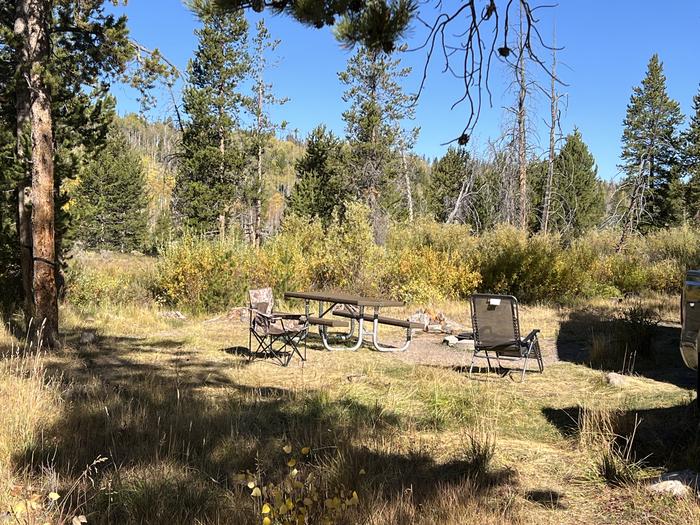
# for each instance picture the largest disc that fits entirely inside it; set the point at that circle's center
(68, 52)
(446, 182)
(373, 128)
(578, 201)
(263, 129)
(691, 160)
(211, 157)
(650, 139)
(111, 208)
(321, 179)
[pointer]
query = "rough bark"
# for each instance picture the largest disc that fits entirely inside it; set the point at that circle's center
(43, 231)
(23, 219)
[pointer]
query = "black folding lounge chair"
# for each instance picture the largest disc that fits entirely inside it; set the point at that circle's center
(277, 335)
(496, 328)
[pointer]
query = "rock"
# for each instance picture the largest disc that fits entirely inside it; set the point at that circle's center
(616, 380)
(353, 378)
(671, 487)
(450, 327)
(420, 317)
(465, 344)
(450, 340)
(678, 483)
(434, 328)
(88, 338)
(174, 314)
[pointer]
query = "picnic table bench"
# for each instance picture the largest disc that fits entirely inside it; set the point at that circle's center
(354, 309)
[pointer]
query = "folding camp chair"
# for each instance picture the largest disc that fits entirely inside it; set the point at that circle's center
(496, 328)
(277, 335)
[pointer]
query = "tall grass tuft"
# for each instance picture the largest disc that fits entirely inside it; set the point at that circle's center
(608, 436)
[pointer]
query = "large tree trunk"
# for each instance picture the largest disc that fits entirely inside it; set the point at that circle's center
(522, 130)
(43, 240)
(24, 219)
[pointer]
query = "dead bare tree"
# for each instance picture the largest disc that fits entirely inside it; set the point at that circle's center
(553, 123)
(522, 128)
(467, 54)
(464, 193)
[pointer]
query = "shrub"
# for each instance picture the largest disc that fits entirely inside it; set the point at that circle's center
(422, 262)
(422, 275)
(94, 280)
(197, 274)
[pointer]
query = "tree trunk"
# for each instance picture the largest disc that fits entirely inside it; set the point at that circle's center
(522, 124)
(24, 219)
(43, 240)
(257, 200)
(550, 161)
(407, 180)
(635, 209)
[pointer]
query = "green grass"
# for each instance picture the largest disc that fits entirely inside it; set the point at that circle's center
(179, 419)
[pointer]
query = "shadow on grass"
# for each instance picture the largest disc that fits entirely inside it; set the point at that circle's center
(667, 438)
(176, 428)
(664, 362)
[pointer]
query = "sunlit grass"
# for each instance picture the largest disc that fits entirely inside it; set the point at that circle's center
(178, 418)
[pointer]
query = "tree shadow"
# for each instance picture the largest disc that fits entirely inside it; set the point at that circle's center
(547, 498)
(664, 362)
(667, 437)
(177, 427)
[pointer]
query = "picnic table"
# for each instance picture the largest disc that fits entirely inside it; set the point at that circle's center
(353, 308)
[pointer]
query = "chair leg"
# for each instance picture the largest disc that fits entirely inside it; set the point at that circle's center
(522, 376)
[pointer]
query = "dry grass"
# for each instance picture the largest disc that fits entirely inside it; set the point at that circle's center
(178, 420)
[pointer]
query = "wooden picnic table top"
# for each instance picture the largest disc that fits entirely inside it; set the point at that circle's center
(344, 298)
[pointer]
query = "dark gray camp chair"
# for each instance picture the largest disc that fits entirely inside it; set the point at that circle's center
(278, 335)
(496, 328)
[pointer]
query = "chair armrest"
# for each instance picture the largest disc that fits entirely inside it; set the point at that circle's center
(288, 315)
(532, 335)
(271, 317)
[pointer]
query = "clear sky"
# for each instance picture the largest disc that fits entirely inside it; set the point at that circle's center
(607, 44)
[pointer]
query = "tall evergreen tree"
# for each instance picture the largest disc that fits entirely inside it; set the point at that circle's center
(321, 179)
(578, 201)
(63, 56)
(650, 141)
(378, 105)
(111, 207)
(691, 160)
(212, 159)
(446, 179)
(263, 128)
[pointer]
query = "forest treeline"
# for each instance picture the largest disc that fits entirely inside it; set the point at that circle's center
(223, 168)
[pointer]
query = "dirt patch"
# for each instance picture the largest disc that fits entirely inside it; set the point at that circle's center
(428, 349)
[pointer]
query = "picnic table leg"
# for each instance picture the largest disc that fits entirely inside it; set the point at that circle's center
(323, 331)
(375, 336)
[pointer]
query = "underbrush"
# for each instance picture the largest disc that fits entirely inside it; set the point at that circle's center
(625, 343)
(422, 263)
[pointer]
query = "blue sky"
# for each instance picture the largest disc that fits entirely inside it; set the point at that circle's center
(607, 45)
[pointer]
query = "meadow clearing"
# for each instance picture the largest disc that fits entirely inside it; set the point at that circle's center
(164, 420)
